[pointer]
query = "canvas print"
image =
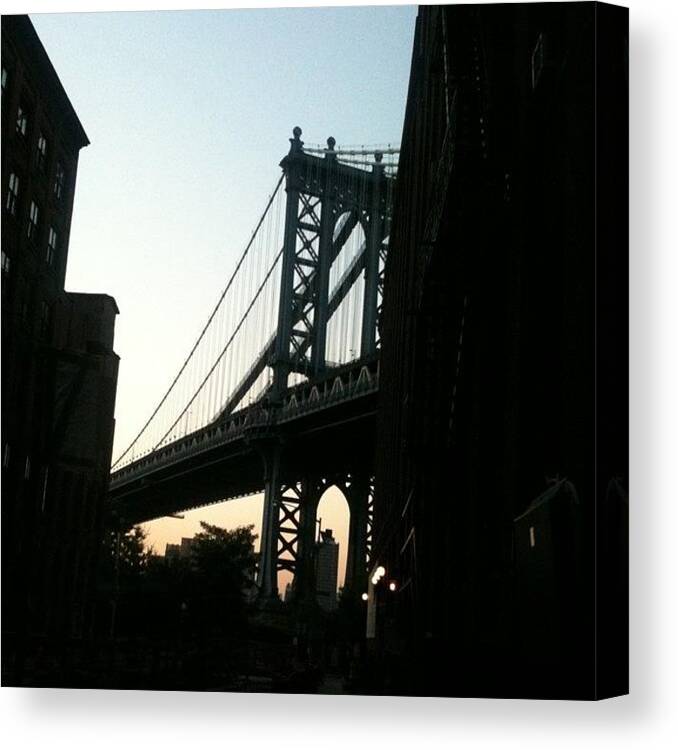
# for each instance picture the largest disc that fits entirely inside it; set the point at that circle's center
(315, 350)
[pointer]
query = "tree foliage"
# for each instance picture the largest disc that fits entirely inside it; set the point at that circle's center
(124, 557)
(223, 556)
(203, 593)
(221, 569)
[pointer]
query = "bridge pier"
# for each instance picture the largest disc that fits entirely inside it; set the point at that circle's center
(358, 497)
(304, 573)
(289, 530)
(267, 577)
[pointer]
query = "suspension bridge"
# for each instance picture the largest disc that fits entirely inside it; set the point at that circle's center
(278, 393)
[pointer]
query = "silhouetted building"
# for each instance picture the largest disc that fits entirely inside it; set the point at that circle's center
(59, 371)
(181, 551)
(326, 570)
(503, 417)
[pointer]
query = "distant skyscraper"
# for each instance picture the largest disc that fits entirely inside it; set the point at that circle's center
(327, 565)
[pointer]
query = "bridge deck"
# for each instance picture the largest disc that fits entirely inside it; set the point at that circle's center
(325, 424)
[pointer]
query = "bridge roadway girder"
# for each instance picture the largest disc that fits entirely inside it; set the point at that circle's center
(337, 436)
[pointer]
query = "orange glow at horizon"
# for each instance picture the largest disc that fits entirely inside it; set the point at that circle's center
(332, 510)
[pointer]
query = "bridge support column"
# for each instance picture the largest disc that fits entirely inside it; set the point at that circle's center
(287, 531)
(359, 503)
(304, 574)
(375, 236)
(281, 358)
(267, 578)
(328, 218)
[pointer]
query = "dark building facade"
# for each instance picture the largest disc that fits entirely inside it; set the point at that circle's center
(502, 461)
(59, 371)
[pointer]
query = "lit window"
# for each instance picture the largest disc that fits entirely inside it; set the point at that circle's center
(59, 181)
(4, 79)
(12, 194)
(532, 540)
(33, 217)
(51, 246)
(42, 152)
(21, 121)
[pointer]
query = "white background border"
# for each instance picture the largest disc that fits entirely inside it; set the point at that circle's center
(54, 719)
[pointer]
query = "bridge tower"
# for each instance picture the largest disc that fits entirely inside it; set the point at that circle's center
(326, 201)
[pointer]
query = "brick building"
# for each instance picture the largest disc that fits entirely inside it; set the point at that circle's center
(59, 371)
(502, 458)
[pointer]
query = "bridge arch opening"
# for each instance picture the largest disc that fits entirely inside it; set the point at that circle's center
(333, 514)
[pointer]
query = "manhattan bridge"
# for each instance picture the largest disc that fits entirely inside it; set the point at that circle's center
(278, 394)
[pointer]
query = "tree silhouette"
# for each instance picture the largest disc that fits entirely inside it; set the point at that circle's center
(122, 564)
(222, 564)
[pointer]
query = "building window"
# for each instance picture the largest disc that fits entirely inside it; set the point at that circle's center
(12, 194)
(4, 79)
(59, 181)
(5, 271)
(5, 457)
(51, 246)
(537, 60)
(33, 218)
(42, 153)
(532, 539)
(21, 121)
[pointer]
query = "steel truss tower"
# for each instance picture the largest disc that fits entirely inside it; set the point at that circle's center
(326, 201)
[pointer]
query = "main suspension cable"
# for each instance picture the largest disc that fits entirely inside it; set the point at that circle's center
(206, 326)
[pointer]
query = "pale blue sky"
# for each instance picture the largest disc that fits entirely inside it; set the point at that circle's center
(188, 114)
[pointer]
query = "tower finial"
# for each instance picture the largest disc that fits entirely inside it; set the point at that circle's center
(296, 144)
